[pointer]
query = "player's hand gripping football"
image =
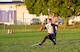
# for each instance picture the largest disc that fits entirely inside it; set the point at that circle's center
(41, 28)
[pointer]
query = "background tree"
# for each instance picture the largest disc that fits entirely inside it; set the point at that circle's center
(63, 8)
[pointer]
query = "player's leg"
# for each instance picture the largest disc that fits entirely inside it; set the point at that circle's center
(44, 39)
(55, 27)
(53, 40)
(50, 37)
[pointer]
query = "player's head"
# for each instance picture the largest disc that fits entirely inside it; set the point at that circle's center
(53, 15)
(48, 20)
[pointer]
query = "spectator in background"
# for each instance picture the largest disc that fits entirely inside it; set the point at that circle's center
(55, 22)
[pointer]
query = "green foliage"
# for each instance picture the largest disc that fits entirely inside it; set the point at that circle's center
(63, 8)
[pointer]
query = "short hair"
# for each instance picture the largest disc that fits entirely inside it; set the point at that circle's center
(54, 14)
(49, 19)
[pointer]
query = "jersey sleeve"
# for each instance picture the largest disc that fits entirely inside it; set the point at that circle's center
(46, 25)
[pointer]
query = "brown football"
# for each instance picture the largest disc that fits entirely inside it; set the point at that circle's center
(41, 28)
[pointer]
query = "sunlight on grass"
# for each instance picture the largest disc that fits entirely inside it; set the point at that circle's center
(21, 41)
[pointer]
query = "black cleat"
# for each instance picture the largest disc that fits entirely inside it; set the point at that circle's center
(40, 44)
(54, 43)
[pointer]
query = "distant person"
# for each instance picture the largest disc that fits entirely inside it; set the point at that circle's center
(50, 32)
(55, 22)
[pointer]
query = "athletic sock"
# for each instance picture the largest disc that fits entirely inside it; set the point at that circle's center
(54, 41)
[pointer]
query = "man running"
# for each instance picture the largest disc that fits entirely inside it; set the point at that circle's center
(50, 29)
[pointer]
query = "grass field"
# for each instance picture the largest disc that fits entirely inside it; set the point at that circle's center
(21, 41)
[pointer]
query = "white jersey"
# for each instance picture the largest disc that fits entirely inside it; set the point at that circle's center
(49, 28)
(57, 23)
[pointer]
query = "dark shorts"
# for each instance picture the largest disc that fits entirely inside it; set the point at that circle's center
(54, 35)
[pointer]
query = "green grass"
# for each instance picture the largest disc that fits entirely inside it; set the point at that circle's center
(21, 41)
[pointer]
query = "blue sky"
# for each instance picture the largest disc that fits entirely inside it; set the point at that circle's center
(5, 0)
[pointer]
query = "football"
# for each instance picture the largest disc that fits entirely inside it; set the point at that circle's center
(41, 28)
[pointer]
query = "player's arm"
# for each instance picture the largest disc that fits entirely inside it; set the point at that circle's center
(44, 28)
(56, 28)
